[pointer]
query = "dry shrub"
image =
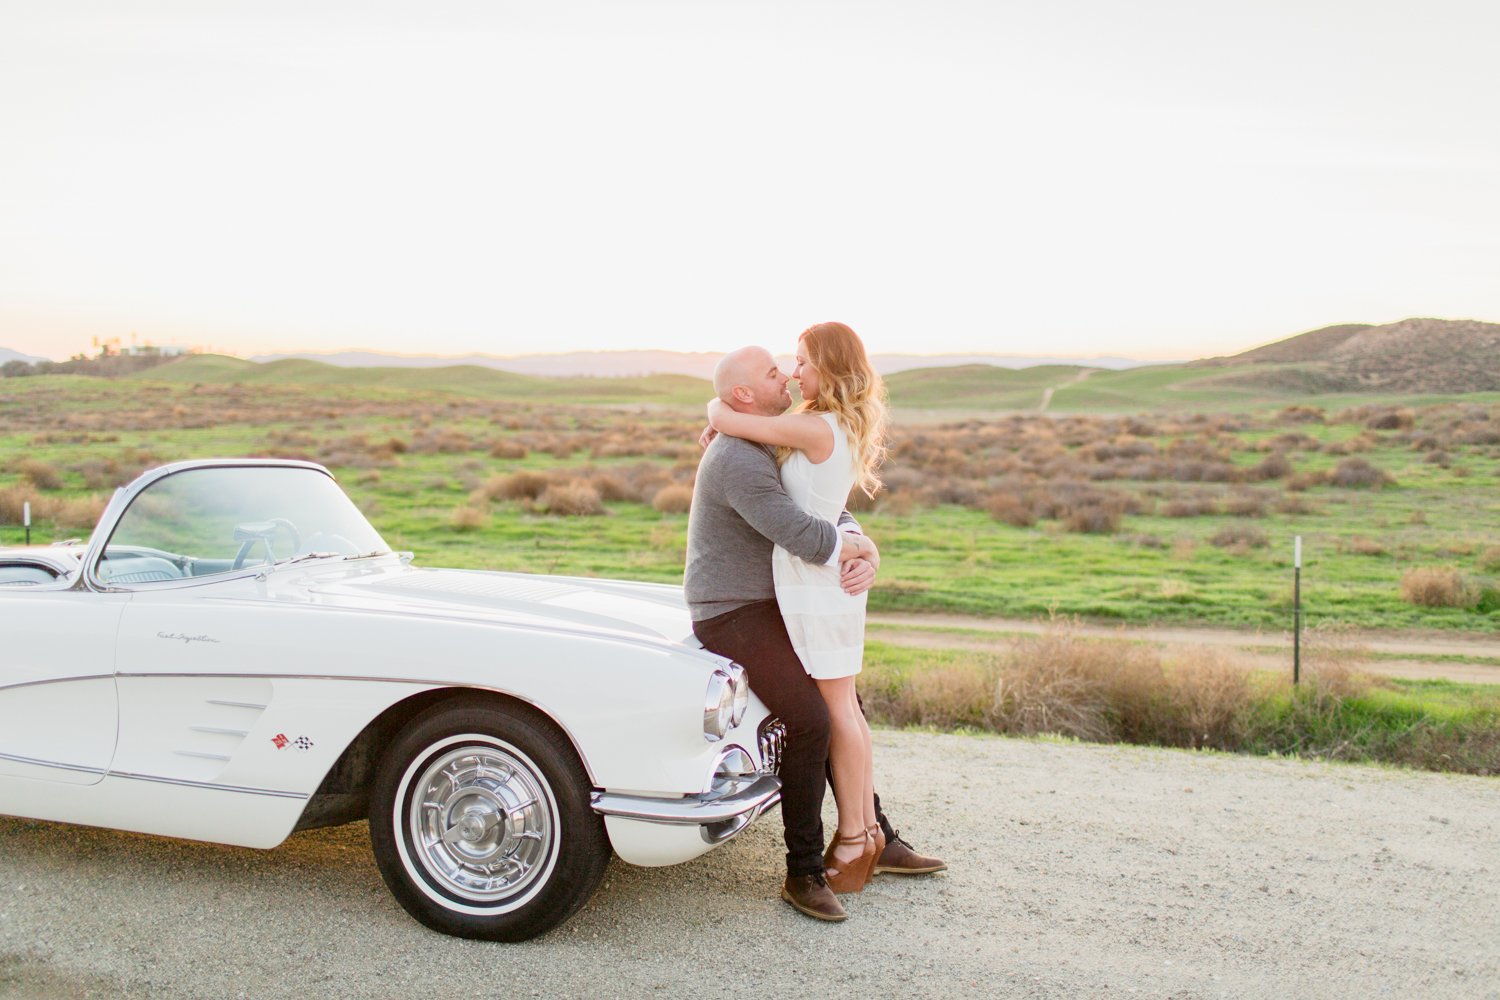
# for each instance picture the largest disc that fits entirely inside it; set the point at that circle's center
(1293, 441)
(1464, 750)
(645, 480)
(1247, 503)
(611, 487)
(506, 448)
(1241, 536)
(1100, 689)
(448, 441)
(469, 518)
(1300, 415)
(1306, 481)
(1362, 546)
(42, 475)
(1392, 420)
(1195, 506)
(1011, 509)
(1418, 517)
(1489, 559)
(1437, 587)
(524, 485)
(1274, 466)
(1294, 505)
(11, 505)
(898, 504)
(79, 512)
(1332, 662)
(571, 499)
(1211, 698)
(951, 696)
(1054, 683)
(674, 498)
(1482, 435)
(1098, 518)
(1357, 473)
(96, 474)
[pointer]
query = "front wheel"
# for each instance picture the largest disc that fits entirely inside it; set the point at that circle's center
(481, 823)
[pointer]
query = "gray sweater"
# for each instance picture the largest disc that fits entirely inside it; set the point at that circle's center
(740, 512)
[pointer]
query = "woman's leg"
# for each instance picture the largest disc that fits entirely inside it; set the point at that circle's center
(847, 750)
(867, 791)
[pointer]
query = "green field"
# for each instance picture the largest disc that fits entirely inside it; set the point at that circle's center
(420, 453)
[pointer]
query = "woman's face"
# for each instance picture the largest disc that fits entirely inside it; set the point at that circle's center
(805, 374)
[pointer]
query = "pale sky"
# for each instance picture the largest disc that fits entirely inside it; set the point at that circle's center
(1157, 178)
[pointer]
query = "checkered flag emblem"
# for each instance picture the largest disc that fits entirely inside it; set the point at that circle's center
(280, 740)
(303, 743)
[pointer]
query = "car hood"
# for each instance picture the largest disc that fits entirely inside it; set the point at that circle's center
(645, 610)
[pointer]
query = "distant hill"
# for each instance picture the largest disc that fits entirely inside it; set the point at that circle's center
(1311, 346)
(1332, 366)
(1422, 355)
(700, 364)
(1413, 355)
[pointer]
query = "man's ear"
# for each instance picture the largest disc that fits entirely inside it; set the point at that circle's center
(743, 394)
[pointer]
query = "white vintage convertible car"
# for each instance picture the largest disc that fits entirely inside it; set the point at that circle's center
(235, 654)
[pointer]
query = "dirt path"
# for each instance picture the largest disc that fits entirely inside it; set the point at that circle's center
(1411, 655)
(1047, 392)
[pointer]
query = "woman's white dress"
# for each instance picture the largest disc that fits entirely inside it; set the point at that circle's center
(826, 625)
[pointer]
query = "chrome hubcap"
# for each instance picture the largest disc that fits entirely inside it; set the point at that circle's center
(481, 822)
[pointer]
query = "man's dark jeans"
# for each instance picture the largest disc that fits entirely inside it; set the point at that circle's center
(755, 637)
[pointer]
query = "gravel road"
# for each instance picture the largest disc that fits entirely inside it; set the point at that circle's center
(1076, 870)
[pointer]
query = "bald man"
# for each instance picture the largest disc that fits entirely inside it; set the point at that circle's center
(740, 512)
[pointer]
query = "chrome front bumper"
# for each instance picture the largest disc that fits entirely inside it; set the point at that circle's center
(718, 817)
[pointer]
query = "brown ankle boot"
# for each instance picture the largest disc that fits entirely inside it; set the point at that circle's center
(811, 895)
(899, 859)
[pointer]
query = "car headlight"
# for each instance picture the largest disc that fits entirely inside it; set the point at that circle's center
(725, 701)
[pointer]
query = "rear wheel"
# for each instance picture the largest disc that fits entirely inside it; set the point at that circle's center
(481, 823)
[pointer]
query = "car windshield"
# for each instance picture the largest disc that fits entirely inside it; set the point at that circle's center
(218, 520)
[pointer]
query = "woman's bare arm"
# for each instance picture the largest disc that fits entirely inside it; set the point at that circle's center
(806, 432)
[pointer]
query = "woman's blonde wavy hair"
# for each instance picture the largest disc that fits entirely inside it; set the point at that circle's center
(850, 389)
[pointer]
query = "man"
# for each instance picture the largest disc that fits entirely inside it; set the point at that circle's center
(740, 511)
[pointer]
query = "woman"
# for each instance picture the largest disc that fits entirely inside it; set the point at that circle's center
(833, 441)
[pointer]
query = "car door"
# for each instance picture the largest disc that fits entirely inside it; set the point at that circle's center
(59, 713)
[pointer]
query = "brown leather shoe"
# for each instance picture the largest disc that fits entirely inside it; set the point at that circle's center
(899, 859)
(811, 895)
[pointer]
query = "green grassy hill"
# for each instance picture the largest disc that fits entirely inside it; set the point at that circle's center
(983, 387)
(469, 380)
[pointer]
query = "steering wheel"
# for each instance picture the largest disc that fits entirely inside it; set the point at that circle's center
(262, 531)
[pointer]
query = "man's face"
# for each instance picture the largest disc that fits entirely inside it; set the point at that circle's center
(767, 384)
